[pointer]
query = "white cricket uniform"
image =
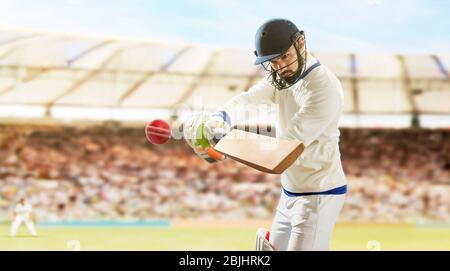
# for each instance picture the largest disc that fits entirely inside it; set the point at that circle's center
(23, 214)
(314, 186)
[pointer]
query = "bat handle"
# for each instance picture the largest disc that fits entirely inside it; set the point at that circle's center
(215, 154)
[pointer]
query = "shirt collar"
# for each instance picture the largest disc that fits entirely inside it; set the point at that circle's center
(311, 63)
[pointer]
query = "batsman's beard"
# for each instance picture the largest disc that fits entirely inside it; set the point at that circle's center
(289, 78)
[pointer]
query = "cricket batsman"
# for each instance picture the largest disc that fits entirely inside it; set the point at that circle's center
(22, 213)
(310, 101)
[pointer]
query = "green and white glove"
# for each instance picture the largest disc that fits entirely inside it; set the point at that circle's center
(218, 126)
(202, 132)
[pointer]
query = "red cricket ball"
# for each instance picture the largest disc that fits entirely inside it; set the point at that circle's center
(158, 131)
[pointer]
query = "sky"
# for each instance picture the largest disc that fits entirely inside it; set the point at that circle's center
(404, 26)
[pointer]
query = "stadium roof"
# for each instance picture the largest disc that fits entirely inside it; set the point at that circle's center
(68, 77)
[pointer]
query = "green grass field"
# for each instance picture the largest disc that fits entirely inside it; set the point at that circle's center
(217, 236)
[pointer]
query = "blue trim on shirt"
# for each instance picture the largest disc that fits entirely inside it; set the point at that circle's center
(317, 64)
(441, 66)
(335, 191)
(224, 115)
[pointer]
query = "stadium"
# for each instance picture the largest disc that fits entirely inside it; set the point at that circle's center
(72, 114)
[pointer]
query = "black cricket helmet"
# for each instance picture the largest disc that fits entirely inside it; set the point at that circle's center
(273, 39)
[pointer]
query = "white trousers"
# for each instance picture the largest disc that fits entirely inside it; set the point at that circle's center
(16, 224)
(305, 222)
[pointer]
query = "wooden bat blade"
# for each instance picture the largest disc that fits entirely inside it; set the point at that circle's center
(264, 153)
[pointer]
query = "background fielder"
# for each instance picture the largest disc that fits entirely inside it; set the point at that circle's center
(22, 213)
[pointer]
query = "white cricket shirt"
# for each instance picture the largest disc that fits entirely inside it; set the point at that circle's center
(23, 210)
(308, 111)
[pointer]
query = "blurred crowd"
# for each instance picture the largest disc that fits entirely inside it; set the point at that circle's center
(112, 172)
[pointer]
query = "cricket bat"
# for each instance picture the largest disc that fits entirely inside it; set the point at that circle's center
(264, 153)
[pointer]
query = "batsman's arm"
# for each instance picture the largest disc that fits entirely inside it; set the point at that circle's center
(261, 93)
(319, 110)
